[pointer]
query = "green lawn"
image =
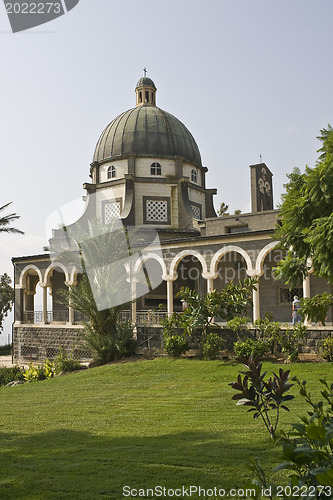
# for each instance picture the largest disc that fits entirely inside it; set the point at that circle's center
(143, 424)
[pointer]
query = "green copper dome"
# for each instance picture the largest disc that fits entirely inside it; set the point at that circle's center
(145, 81)
(146, 130)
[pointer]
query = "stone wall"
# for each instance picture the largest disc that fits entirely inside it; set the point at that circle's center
(151, 339)
(35, 343)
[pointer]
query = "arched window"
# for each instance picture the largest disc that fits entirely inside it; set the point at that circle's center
(155, 169)
(194, 176)
(111, 172)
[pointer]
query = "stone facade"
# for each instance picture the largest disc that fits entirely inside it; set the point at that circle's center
(35, 343)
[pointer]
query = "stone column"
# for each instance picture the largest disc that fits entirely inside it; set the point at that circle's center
(306, 295)
(44, 313)
(256, 303)
(306, 287)
(70, 315)
(256, 273)
(133, 306)
(169, 280)
(210, 280)
(71, 318)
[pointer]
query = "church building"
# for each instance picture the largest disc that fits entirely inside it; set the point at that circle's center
(147, 173)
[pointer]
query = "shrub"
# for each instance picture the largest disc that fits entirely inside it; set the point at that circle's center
(263, 396)
(10, 374)
(34, 373)
(327, 349)
(211, 345)
(63, 363)
(239, 326)
(5, 350)
(291, 340)
(268, 330)
(110, 347)
(250, 347)
(39, 372)
(173, 324)
(176, 345)
(316, 308)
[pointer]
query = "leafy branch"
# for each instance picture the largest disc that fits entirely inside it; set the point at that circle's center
(262, 396)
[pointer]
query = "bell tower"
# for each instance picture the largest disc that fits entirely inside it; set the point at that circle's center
(261, 188)
(145, 92)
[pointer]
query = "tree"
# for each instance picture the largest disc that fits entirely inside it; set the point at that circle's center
(306, 227)
(6, 220)
(226, 304)
(98, 251)
(6, 297)
(223, 210)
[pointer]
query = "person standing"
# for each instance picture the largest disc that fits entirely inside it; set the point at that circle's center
(296, 306)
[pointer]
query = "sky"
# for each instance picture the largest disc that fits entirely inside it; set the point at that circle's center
(247, 78)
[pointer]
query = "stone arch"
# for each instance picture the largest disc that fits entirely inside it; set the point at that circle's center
(141, 260)
(186, 253)
(22, 282)
(53, 266)
(148, 285)
(230, 248)
(74, 275)
(263, 253)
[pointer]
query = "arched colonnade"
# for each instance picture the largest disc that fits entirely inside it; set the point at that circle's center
(31, 275)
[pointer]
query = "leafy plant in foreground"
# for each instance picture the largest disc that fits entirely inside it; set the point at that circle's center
(263, 396)
(307, 451)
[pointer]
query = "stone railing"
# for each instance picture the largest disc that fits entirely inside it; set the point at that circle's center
(143, 318)
(36, 317)
(150, 318)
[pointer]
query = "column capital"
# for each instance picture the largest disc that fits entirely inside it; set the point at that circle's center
(170, 277)
(70, 283)
(253, 273)
(44, 284)
(209, 276)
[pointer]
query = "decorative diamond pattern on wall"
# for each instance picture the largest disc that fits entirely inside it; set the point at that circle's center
(111, 211)
(156, 211)
(196, 210)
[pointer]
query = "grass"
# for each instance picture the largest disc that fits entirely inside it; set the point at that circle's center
(160, 422)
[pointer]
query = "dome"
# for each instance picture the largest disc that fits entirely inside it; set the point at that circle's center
(146, 130)
(145, 82)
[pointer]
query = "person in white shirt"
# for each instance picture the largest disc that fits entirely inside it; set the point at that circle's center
(296, 306)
